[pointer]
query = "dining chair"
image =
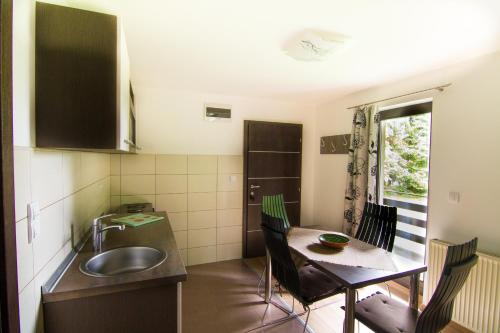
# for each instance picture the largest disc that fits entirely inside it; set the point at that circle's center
(306, 284)
(274, 205)
(384, 315)
(378, 226)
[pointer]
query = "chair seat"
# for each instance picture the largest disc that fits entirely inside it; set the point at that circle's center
(316, 285)
(382, 314)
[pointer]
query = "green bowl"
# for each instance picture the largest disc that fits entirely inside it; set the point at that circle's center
(333, 240)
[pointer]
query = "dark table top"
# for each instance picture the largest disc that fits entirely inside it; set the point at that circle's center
(356, 266)
(75, 284)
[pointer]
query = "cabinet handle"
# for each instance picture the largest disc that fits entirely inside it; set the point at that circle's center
(127, 141)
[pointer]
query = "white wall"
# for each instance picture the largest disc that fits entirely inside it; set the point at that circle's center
(171, 122)
(23, 72)
(465, 156)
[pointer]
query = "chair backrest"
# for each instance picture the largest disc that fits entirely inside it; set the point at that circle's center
(378, 226)
(283, 266)
(274, 205)
(459, 261)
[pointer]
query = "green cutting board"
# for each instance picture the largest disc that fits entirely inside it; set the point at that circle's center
(137, 220)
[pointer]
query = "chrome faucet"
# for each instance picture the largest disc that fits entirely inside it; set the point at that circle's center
(97, 231)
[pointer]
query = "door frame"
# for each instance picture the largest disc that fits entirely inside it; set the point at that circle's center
(416, 109)
(9, 303)
(245, 189)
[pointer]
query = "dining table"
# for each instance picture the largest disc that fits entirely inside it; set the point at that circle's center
(354, 266)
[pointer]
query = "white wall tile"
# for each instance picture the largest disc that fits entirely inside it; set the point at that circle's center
(202, 219)
(22, 181)
(202, 183)
(230, 182)
(202, 255)
(202, 201)
(171, 164)
(115, 202)
(229, 217)
(181, 238)
(98, 193)
(72, 216)
(86, 212)
(230, 164)
(27, 309)
(229, 251)
(104, 165)
(184, 256)
(89, 194)
(42, 277)
(95, 166)
(171, 203)
(166, 184)
(229, 200)
(178, 221)
(202, 164)
(84, 199)
(72, 172)
(50, 239)
(227, 235)
(24, 255)
(115, 185)
(140, 164)
(46, 180)
(138, 184)
(115, 164)
(202, 237)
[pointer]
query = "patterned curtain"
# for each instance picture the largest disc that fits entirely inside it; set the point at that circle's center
(362, 166)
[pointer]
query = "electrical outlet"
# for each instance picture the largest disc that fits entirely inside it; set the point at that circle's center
(454, 197)
(232, 179)
(33, 221)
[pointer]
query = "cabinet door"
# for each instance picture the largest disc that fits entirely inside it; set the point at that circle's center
(76, 78)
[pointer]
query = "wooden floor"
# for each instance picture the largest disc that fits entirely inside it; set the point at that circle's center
(222, 297)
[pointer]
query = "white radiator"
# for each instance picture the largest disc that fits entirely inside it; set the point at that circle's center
(477, 306)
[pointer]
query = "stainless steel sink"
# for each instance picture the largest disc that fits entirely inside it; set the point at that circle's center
(123, 260)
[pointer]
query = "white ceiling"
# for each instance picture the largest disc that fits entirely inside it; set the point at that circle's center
(234, 47)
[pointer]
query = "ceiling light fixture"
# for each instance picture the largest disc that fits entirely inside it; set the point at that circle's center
(313, 45)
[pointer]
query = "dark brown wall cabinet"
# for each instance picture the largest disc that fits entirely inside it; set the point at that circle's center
(84, 98)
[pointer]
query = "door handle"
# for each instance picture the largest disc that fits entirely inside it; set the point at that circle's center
(252, 187)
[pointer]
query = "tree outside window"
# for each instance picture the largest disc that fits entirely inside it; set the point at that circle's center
(406, 165)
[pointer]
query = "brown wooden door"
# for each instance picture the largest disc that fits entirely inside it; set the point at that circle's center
(272, 165)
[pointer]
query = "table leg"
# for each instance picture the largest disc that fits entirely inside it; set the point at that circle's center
(414, 282)
(350, 302)
(268, 278)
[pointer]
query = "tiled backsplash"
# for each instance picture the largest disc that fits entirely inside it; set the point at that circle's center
(202, 195)
(71, 188)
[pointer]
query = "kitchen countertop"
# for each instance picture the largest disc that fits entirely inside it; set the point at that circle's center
(74, 284)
